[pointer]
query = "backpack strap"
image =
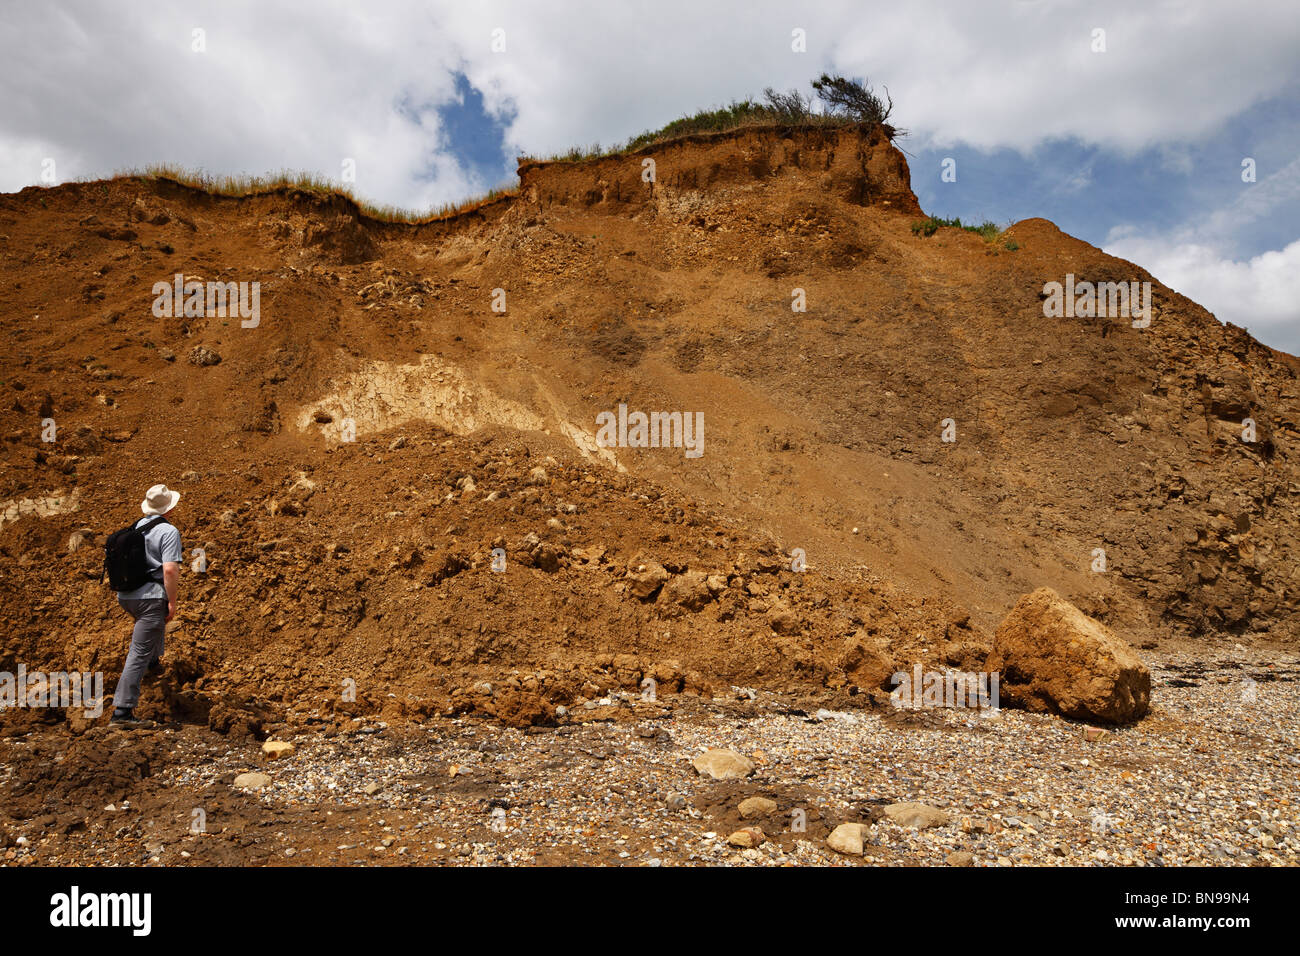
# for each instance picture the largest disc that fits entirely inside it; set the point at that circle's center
(145, 529)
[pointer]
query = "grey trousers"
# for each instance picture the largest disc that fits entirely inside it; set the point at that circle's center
(146, 646)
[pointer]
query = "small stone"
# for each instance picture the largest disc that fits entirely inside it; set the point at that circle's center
(847, 838)
(645, 580)
(372, 788)
(782, 619)
(675, 801)
(723, 765)
(748, 837)
(756, 807)
(275, 749)
(202, 355)
(1093, 734)
(961, 858)
(252, 781)
(916, 815)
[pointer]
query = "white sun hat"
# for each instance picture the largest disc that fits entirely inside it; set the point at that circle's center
(159, 500)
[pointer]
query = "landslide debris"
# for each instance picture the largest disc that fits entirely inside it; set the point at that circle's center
(355, 464)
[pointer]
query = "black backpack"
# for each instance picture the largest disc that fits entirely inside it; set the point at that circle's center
(125, 561)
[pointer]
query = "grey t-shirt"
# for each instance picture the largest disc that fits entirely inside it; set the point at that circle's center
(162, 543)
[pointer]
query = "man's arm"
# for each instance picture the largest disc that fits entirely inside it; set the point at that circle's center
(172, 553)
(171, 579)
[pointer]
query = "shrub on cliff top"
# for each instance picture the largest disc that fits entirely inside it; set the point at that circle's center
(855, 99)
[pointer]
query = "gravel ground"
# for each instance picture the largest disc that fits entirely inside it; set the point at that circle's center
(1212, 776)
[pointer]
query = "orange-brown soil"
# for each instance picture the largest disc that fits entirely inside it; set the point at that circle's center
(368, 563)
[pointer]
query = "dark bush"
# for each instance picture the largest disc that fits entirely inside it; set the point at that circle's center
(857, 100)
(789, 107)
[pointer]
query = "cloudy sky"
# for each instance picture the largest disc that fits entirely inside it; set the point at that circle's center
(1138, 147)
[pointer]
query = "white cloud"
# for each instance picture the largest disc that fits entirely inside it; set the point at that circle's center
(1256, 201)
(1261, 293)
(304, 84)
(280, 86)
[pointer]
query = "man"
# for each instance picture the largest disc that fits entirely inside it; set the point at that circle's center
(153, 604)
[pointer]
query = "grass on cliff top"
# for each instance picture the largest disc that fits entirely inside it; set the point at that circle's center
(246, 185)
(844, 102)
(848, 103)
(738, 114)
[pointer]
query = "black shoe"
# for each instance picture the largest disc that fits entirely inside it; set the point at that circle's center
(154, 665)
(123, 715)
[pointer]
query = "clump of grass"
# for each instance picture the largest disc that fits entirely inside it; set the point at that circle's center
(247, 185)
(447, 210)
(928, 227)
(1011, 245)
(780, 110)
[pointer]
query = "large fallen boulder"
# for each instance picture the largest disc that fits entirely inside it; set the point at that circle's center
(1052, 657)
